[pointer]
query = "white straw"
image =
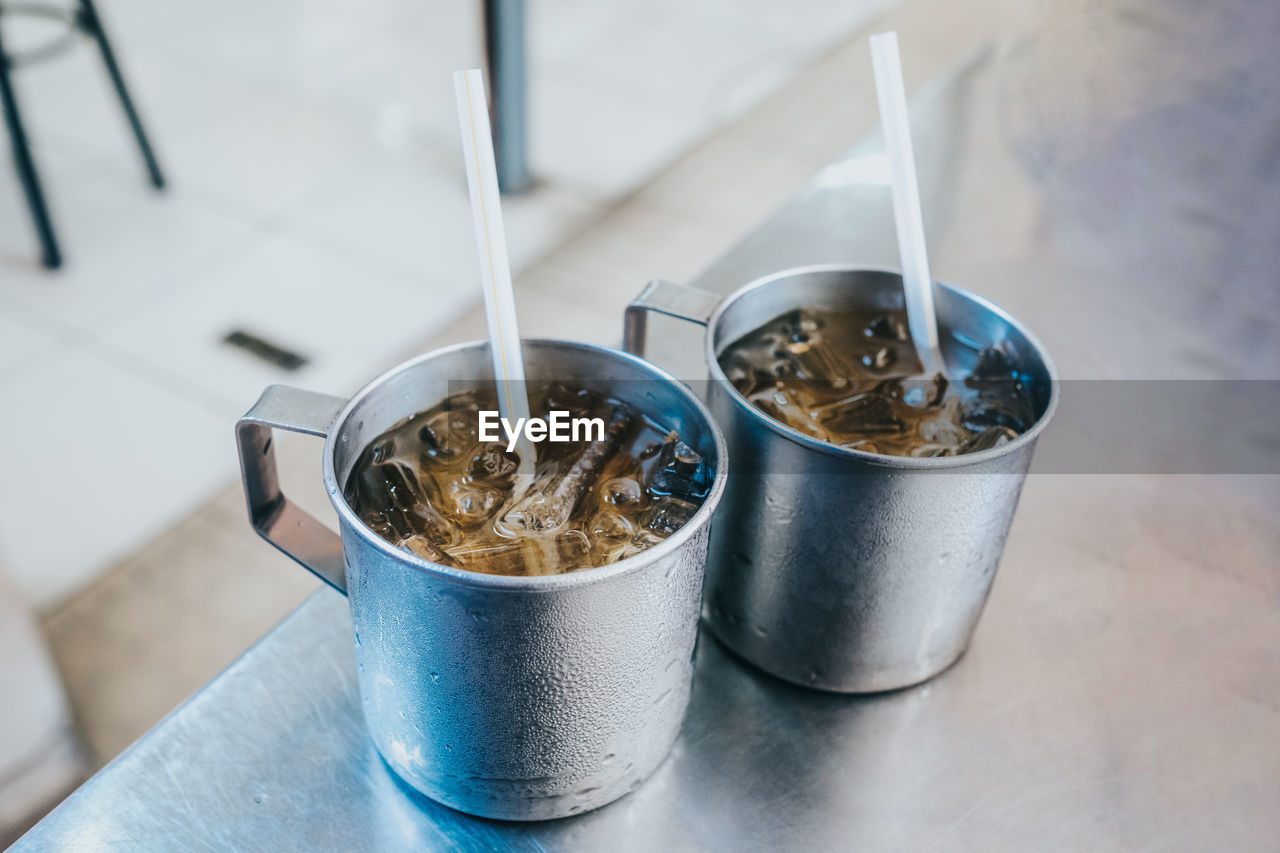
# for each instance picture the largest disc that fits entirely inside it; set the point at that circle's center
(917, 283)
(495, 269)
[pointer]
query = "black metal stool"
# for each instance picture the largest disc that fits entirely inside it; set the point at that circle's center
(79, 19)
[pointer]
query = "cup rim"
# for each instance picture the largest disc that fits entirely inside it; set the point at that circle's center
(879, 459)
(529, 583)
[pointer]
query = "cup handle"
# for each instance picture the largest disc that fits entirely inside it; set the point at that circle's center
(276, 518)
(669, 298)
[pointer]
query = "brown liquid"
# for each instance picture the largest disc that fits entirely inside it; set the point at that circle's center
(430, 486)
(853, 379)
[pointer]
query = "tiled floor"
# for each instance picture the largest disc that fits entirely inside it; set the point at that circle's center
(317, 200)
(165, 620)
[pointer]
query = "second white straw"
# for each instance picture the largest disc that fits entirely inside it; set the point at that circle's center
(495, 269)
(917, 281)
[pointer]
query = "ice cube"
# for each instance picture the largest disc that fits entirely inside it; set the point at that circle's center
(921, 392)
(492, 463)
(1006, 407)
(889, 327)
(610, 527)
(680, 471)
(867, 412)
(538, 512)
(1003, 399)
(739, 372)
(471, 503)
(996, 436)
(928, 450)
(548, 507)
(881, 359)
(643, 540)
(668, 515)
(399, 496)
(504, 556)
(804, 322)
(541, 554)
(578, 402)
(449, 434)
(378, 524)
(425, 549)
(801, 333)
(750, 368)
(622, 491)
(573, 548)
(995, 364)
(795, 347)
(821, 363)
(786, 404)
(944, 427)
(383, 450)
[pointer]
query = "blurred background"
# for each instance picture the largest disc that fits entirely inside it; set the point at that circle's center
(313, 229)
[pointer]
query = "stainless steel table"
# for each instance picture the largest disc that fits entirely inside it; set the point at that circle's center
(1123, 688)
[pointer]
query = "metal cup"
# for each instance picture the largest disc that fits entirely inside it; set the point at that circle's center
(838, 569)
(520, 698)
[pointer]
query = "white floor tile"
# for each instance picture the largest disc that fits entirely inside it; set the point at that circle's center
(99, 461)
(562, 27)
(71, 105)
(398, 75)
(413, 210)
(711, 60)
(280, 41)
(164, 27)
(349, 320)
(274, 155)
(588, 138)
(19, 248)
(24, 341)
(121, 242)
(678, 60)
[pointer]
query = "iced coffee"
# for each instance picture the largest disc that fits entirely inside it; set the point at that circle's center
(433, 486)
(852, 379)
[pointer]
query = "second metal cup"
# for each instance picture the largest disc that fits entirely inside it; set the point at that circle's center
(838, 569)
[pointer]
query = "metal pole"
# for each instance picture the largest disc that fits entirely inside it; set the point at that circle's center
(504, 37)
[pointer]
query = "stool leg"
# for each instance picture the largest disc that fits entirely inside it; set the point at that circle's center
(26, 167)
(92, 24)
